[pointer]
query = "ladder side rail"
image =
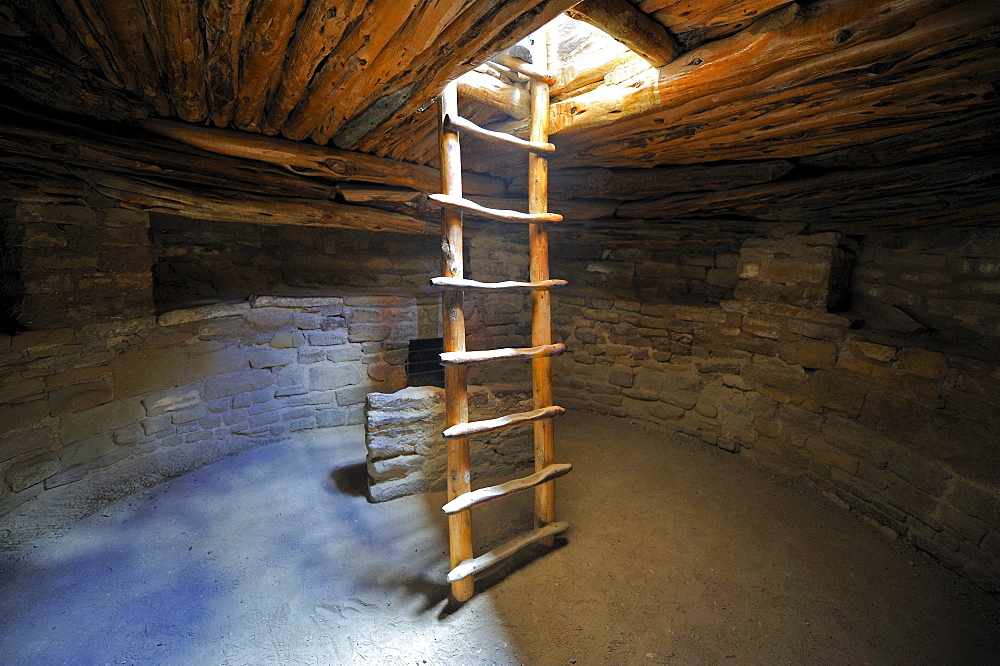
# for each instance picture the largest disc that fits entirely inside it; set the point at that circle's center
(541, 317)
(453, 324)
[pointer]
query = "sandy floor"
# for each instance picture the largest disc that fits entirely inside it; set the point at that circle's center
(675, 555)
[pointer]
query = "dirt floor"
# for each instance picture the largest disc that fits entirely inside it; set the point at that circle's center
(676, 554)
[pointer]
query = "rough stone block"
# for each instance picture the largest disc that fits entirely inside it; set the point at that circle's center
(144, 370)
(171, 400)
(328, 338)
(923, 363)
(130, 434)
(202, 313)
(28, 472)
(977, 502)
(815, 354)
(237, 382)
(18, 391)
(103, 418)
(327, 376)
(291, 340)
(188, 415)
(271, 319)
(41, 339)
(23, 415)
(270, 358)
(25, 441)
(830, 455)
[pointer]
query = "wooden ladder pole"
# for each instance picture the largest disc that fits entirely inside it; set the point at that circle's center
(541, 317)
(453, 319)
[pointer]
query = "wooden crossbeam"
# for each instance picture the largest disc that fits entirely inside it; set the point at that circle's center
(490, 493)
(473, 208)
(462, 430)
(508, 353)
(506, 285)
(497, 555)
(499, 137)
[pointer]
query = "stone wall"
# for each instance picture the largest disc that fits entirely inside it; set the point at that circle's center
(103, 397)
(902, 433)
(90, 415)
(407, 455)
(73, 265)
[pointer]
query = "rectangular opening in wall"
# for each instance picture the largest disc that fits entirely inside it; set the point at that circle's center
(423, 363)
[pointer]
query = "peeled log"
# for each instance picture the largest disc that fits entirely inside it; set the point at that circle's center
(316, 160)
(621, 20)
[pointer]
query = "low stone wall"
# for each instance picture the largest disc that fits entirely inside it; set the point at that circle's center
(90, 415)
(407, 454)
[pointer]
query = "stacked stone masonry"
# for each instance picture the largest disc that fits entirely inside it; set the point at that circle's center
(890, 406)
(903, 434)
(407, 454)
(92, 414)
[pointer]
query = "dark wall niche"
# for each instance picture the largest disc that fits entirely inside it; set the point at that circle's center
(423, 363)
(11, 284)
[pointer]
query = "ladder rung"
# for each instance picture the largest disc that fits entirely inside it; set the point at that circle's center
(477, 564)
(485, 356)
(493, 213)
(511, 62)
(499, 137)
(489, 425)
(476, 497)
(507, 285)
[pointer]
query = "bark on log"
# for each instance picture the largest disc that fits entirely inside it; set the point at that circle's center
(314, 160)
(184, 56)
(631, 27)
(779, 89)
(319, 30)
(224, 21)
(51, 82)
(264, 44)
(481, 29)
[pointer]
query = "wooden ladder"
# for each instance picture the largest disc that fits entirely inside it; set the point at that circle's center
(456, 358)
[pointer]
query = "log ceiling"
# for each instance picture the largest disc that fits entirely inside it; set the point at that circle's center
(849, 114)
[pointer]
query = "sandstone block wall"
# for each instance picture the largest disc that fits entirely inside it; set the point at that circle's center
(407, 454)
(899, 431)
(71, 265)
(91, 415)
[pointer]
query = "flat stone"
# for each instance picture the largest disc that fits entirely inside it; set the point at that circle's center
(816, 354)
(44, 339)
(237, 382)
(78, 397)
(291, 340)
(326, 376)
(329, 338)
(21, 390)
(413, 397)
(68, 475)
(271, 319)
(25, 441)
(171, 400)
(923, 363)
(28, 472)
(203, 313)
(296, 302)
(270, 357)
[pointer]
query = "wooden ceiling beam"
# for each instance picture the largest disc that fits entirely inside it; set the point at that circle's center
(310, 160)
(224, 22)
(467, 41)
(799, 82)
(51, 82)
(623, 21)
